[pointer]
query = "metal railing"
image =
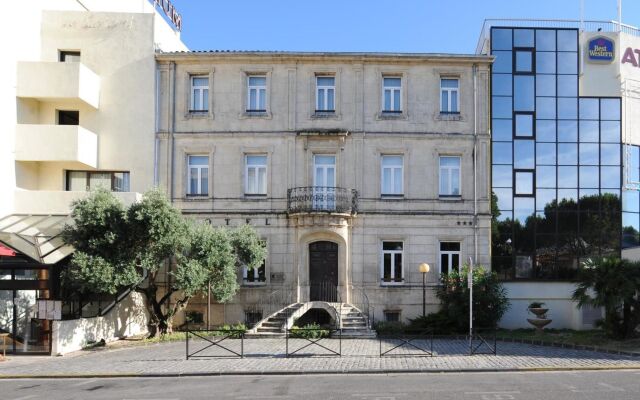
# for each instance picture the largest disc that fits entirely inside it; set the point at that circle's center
(212, 339)
(274, 302)
(587, 25)
(322, 199)
(406, 344)
(360, 300)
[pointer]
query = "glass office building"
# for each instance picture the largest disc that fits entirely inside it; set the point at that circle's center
(556, 159)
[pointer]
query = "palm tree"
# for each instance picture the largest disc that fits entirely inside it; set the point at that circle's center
(613, 284)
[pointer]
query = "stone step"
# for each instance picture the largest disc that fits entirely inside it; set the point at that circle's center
(274, 330)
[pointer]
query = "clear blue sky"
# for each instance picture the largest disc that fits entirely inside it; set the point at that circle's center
(431, 26)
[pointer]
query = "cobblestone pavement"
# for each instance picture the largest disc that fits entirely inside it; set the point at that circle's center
(268, 356)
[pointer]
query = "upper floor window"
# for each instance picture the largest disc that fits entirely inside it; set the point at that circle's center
(392, 269)
(81, 181)
(199, 93)
(66, 117)
(449, 257)
(257, 93)
(449, 95)
(449, 176)
(198, 175)
(255, 276)
(325, 93)
(256, 174)
(69, 56)
(392, 175)
(392, 94)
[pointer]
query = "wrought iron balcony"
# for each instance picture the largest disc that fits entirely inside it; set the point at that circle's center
(322, 199)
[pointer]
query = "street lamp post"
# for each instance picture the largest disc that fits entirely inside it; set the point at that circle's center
(424, 268)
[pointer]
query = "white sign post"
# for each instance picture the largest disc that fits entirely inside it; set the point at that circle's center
(470, 284)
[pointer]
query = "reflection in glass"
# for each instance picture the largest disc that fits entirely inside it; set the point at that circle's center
(523, 208)
(501, 39)
(567, 63)
(610, 109)
(610, 177)
(501, 107)
(504, 198)
(524, 125)
(545, 85)
(567, 108)
(633, 162)
(546, 107)
(568, 198)
(545, 39)
(523, 38)
(567, 177)
(631, 200)
(567, 131)
(589, 178)
(546, 154)
(546, 177)
(545, 130)
(567, 154)
(501, 85)
(589, 131)
(503, 62)
(524, 183)
(545, 62)
(544, 197)
(523, 92)
(502, 176)
(610, 154)
(524, 61)
(589, 108)
(610, 131)
(567, 40)
(589, 153)
(502, 129)
(567, 85)
(502, 153)
(524, 154)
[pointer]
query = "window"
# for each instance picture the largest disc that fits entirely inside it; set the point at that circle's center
(449, 257)
(524, 183)
(325, 93)
(81, 181)
(392, 271)
(199, 93)
(524, 61)
(257, 93)
(255, 276)
(256, 174)
(392, 95)
(69, 56)
(449, 95)
(198, 178)
(450, 176)
(392, 175)
(391, 316)
(524, 125)
(68, 117)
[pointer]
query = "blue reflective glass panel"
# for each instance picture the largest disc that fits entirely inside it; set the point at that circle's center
(501, 107)
(505, 198)
(502, 152)
(501, 39)
(524, 61)
(610, 177)
(502, 129)
(545, 130)
(567, 177)
(610, 154)
(567, 108)
(544, 197)
(501, 85)
(610, 131)
(523, 38)
(545, 85)
(633, 162)
(523, 208)
(567, 85)
(610, 109)
(503, 62)
(567, 40)
(502, 176)
(524, 183)
(589, 178)
(589, 131)
(546, 154)
(545, 40)
(524, 151)
(589, 154)
(567, 195)
(567, 63)
(567, 154)
(545, 62)
(545, 177)
(589, 108)
(631, 200)
(567, 131)
(524, 125)
(523, 93)
(546, 107)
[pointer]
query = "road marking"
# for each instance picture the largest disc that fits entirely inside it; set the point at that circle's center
(611, 387)
(31, 396)
(495, 395)
(84, 382)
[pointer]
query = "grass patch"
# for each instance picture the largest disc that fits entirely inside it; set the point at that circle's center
(594, 338)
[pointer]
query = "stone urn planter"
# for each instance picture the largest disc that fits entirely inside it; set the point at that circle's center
(540, 320)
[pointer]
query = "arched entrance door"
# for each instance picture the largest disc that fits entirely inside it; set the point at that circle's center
(323, 271)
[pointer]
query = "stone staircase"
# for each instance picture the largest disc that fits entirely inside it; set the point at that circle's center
(353, 323)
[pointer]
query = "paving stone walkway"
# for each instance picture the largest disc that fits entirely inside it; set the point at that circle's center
(268, 356)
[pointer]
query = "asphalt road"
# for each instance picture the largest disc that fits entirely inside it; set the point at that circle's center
(583, 385)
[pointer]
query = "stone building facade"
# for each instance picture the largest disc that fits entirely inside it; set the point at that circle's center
(353, 167)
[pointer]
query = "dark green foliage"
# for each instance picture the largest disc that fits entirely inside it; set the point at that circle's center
(613, 284)
(389, 328)
(309, 331)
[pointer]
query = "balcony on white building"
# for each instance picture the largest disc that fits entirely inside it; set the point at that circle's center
(72, 143)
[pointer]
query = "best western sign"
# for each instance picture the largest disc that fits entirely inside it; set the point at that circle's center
(601, 49)
(631, 56)
(171, 12)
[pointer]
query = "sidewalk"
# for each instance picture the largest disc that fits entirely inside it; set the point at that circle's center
(266, 356)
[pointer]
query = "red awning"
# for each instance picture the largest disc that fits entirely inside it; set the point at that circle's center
(5, 251)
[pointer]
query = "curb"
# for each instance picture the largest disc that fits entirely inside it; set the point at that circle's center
(569, 346)
(320, 372)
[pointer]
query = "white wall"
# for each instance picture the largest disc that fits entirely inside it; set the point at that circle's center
(127, 318)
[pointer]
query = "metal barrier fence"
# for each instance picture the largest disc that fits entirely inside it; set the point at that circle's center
(483, 338)
(213, 339)
(312, 337)
(403, 341)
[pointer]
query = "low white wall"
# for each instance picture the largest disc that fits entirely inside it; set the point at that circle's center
(127, 318)
(557, 298)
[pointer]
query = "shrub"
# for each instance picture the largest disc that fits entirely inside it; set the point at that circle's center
(309, 331)
(389, 328)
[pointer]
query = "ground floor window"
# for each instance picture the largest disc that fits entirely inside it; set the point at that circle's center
(392, 315)
(255, 276)
(392, 267)
(449, 257)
